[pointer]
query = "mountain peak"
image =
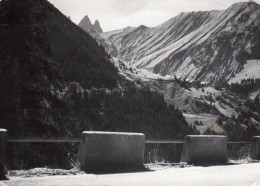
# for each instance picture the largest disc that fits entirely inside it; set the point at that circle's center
(86, 25)
(176, 47)
(251, 5)
(86, 19)
(97, 27)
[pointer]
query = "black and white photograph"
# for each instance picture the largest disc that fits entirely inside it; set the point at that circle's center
(129, 93)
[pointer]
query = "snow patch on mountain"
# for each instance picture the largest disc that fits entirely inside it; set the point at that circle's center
(250, 70)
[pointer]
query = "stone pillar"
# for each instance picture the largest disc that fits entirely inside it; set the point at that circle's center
(3, 139)
(111, 151)
(256, 148)
(204, 149)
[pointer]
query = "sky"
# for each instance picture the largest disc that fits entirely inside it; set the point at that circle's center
(117, 14)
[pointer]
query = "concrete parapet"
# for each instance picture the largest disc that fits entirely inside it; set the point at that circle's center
(111, 151)
(3, 140)
(256, 148)
(204, 149)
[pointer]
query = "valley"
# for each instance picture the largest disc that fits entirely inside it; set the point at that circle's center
(194, 74)
(198, 61)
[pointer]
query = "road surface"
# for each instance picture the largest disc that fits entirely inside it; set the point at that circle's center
(228, 175)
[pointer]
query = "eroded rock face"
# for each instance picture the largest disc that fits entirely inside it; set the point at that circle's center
(205, 46)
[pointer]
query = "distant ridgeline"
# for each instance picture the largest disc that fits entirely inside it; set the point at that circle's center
(216, 49)
(56, 81)
(205, 45)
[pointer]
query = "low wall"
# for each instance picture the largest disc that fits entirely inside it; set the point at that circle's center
(256, 148)
(204, 149)
(3, 138)
(111, 151)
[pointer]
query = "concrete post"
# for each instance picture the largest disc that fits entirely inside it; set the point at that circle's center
(204, 149)
(3, 139)
(111, 151)
(256, 148)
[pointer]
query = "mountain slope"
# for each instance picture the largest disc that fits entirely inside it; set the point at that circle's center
(42, 63)
(96, 32)
(56, 81)
(42, 53)
(205, 46)
(201, 46)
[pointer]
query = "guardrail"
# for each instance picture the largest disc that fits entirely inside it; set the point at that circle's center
(239, 142)
(78, 140)
(4, 140)
(165, 141)
(44, 140)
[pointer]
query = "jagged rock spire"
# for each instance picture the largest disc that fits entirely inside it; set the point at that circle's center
(97, 26)
(86, 25)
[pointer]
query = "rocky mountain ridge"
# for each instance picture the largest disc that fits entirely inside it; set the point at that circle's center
(190, 58)
(86, 25)
(208, 46)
